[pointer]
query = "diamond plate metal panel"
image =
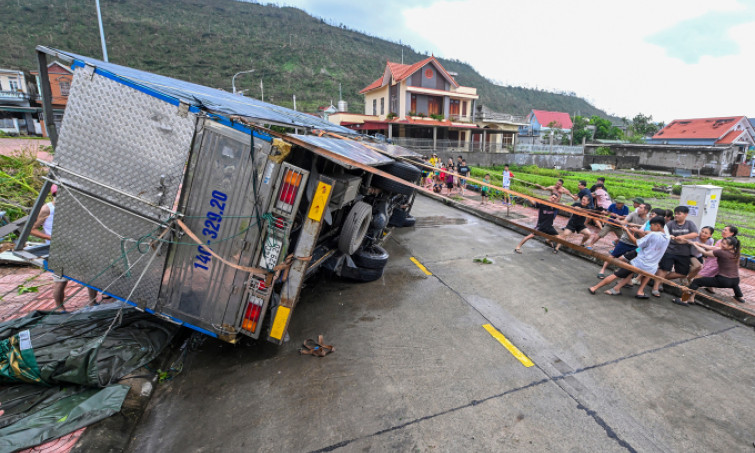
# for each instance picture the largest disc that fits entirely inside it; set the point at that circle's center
(124, 139)
(87, 251)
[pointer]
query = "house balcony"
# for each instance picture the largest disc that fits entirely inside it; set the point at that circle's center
(14, 98)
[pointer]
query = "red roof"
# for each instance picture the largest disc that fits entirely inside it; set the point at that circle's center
(730, 137)
(561, 119)
(711, 128)
(402, 71)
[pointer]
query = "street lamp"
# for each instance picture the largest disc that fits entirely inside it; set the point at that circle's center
(233, 80)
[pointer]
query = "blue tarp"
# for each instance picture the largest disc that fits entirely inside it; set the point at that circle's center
(209, 99)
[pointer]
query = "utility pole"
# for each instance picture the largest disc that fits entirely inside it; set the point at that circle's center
(102, 32)
(233, 79)
(262, 89)
(294, 102)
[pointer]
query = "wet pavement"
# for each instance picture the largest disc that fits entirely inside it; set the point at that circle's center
(415, 368)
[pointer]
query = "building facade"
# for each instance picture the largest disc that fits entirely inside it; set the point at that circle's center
(17, 117)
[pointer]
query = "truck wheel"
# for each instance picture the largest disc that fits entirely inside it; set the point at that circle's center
(374, 257)
(361, 274)
(400, 218)
(404, 171)
(355, 227)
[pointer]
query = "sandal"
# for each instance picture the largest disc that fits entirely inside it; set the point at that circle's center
(555, 251)
(641, 296)
(517, 250)
(741, 300)
(612, 292)
(678, 301)
(591, 291)
(655, 293)
(601, 276)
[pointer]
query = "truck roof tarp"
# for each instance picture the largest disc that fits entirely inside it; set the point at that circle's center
(209, 99)
(351, 149)
(395, 150)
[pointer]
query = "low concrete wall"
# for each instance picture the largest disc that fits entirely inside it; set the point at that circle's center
(617, 161)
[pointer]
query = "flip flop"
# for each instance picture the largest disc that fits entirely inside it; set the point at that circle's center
(518, 251)
(612, 292)
(555, 251)
(591, 291)
(655, 293)
(601, 276)
(641, 296)
(678, 301)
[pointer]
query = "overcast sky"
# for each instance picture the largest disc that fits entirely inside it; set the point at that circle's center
(666, 58)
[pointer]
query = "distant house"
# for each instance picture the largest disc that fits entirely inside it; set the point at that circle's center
(420, 102)
(506, 125)
(16, 114)
(708, 146)
(541, 123)
(60, 78)
(736, 131)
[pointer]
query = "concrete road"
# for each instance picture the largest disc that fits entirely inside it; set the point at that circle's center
(414, 369)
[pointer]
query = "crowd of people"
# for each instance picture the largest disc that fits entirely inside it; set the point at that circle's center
(658, 242)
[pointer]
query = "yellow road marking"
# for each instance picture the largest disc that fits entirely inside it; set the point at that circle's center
(420, 266)
(507, 344)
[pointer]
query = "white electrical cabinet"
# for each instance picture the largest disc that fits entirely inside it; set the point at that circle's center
(702, 201)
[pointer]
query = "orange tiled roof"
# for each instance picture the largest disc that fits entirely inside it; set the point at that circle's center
(698, 128)
(730, 137)
(402, 71)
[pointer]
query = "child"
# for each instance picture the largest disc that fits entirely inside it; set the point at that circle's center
(696, 262)
(506, 184)
(463, 172)
(450, 182)
(484, 190)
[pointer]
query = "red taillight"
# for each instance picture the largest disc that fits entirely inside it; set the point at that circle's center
(288, 190)
(252, 314)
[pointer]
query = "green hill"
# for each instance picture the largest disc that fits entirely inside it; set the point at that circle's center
(207, 41)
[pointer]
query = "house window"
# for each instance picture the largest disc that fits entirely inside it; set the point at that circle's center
(13, 85)
(394, 108)
(382, 106)
(65, 87)
(434, 106)
(453, 107)
(464, 108)
(374, 107)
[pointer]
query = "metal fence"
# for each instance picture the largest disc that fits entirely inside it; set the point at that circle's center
(422, 145)
(548, 149)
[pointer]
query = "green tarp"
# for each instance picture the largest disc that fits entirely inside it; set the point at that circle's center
(58, 372)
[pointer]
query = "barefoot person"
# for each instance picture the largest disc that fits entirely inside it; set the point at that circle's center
(545, 216)
(652, 246)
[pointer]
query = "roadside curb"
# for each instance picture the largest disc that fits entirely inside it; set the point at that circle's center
(746, 317)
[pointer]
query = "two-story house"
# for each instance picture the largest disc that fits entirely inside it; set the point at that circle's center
(421, 101)
(16, 114)
(60, 78)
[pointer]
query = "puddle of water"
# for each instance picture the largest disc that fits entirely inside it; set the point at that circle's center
(431, 221)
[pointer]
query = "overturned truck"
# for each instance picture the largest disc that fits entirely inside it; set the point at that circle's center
(179, 199)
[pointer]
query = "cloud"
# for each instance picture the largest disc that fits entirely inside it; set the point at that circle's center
(706, 35)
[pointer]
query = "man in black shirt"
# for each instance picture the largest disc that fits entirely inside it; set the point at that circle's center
(601, 182)
(584, 192)
(545, 216)
(576, 224)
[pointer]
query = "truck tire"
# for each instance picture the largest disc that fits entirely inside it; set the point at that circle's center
(400, 218)
(361, 274)
(404, 171)
(374, 257)
(355, 227)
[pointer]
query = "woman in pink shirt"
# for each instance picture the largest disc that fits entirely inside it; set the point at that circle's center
(602, 199)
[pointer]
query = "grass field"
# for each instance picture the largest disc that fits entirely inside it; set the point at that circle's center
(737, 206)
